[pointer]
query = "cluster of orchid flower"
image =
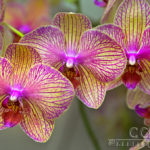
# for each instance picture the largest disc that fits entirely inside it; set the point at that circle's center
(42, 72)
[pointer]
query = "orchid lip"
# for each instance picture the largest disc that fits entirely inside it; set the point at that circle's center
(13, 110)
(131, 77)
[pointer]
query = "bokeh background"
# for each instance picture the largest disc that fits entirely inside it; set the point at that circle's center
(112, 120)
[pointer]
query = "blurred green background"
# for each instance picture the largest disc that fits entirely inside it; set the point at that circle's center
(112, 120)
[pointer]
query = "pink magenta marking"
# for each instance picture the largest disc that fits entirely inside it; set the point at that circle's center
(143, 111)
(25, 29)
(100, 4)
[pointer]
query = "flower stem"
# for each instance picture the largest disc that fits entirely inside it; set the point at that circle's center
(88, 126)
(13, 29)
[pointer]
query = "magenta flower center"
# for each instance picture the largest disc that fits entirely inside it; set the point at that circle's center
(13, 108)
(143, 111)
(70, 70)
(132, 73)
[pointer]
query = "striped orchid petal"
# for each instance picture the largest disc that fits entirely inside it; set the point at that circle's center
(72, 25)
(133, 17)
(5, 75)
(36, 125)
(145, 47)
(21, 57)
(91, 91)
(102, 55)
(145, 75)
(49, 41)
(114, 31)
(110, 10)
(49, 90)
(113, 84)
(2, 126)
(135, 97)
(146, 38)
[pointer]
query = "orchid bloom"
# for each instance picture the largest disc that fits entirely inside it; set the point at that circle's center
(88, 58)
(27, 17)
(140, 102)
(132, 31)
(32, 94)
(110, 9)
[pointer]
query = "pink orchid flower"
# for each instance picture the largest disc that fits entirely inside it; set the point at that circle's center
(131, 29)
(26, 17)
(32, 94)
(88, 58)
(140, 102)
